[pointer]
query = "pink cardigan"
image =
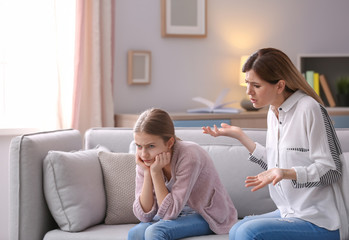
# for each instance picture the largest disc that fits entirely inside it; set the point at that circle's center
(197, 184)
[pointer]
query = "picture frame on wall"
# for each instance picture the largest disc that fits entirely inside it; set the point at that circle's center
(184, 18)
(139, 67)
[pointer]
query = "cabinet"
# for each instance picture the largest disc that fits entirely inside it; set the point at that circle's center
(332, 66)
(255, 119)
(339, 116)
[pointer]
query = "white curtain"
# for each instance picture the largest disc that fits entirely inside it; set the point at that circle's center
(56, 64)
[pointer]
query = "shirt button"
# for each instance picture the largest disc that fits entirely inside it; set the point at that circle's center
(280, 122)
(280, 109)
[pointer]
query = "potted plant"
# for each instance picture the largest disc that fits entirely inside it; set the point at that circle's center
(343, 91)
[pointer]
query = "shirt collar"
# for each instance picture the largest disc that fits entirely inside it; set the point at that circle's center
(292, 100)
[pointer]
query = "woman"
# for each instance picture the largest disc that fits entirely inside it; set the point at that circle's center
(178, 191)
(301, 158)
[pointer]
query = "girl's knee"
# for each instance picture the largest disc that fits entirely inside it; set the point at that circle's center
(244, 231)
(232, 232)
(137, 232)
(154, 232)
(133, 234)
(235, 227)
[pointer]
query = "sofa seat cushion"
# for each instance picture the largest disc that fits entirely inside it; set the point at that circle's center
(73, 187)
(110, 232)
(98, 232)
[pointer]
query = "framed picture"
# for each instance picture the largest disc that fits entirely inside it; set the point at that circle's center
(184, 18)
(139, 65)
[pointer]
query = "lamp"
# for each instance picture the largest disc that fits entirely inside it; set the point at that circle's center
(242, 74)
(245, 102)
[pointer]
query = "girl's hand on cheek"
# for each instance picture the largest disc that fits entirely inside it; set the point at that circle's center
(161, 160)
(140, 163)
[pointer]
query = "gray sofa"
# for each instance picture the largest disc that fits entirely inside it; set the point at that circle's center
(31, 219)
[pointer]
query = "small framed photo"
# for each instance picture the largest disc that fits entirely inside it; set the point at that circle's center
(184, 18)
(139, 65)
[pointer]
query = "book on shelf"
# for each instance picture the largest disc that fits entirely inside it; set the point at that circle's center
(214, 107)
(327, 90)
(316, 81)
(313, 80)
(309, 76)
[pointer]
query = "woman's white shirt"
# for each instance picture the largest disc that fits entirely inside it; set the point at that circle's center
(303, 138)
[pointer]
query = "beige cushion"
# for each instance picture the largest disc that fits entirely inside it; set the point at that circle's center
(119, 172)
(73, 187)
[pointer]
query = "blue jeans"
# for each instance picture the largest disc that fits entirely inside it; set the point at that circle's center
(183, 226)
(272, 227)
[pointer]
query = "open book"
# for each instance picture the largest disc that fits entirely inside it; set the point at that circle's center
(214, 107)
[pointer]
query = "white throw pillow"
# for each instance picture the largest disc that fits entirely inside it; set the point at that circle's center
(73, 187)
(119, 172)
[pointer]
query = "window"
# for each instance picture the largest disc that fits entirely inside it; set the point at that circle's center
(36, 61)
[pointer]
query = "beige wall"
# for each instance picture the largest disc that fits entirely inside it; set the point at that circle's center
(183, 68)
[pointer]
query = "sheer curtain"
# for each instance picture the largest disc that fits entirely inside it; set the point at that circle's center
(56, 64)
(36, 63)
(93, 98)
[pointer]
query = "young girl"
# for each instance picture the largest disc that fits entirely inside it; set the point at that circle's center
(178, 191)
(302, 157)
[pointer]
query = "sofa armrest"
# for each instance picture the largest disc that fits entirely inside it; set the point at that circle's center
(30, 218)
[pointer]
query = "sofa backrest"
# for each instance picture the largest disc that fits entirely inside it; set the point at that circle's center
(231, 161)
(30, 218)
(115, 139)
(119, 139)
(229, 157)
(343, 136)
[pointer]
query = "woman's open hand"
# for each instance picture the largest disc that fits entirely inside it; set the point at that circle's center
(225, 130)
(273, 176)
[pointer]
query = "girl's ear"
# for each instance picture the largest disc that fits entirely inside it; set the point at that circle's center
(170, 143)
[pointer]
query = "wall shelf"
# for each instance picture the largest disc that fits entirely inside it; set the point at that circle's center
(333, 66)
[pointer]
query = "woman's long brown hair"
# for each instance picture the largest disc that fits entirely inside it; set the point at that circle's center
(272, 65)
